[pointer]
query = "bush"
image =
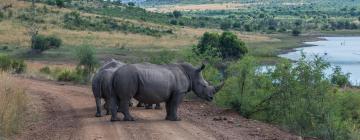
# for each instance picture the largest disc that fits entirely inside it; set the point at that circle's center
(225, 25)
(5, 63)
(163, 57)
(51, 2)
(131, 4)
(60, 3)
(226, 46)
(68, 76)
(18, 66)
(339, 78)
(296, 32)
(87, 60)
(299, 97)
(45, 70)
(54, 41)
(41, 43)
(177, 14)
(173, 22)
(12, 65)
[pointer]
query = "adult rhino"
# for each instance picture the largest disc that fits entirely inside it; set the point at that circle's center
(101, 84)
(150, 83)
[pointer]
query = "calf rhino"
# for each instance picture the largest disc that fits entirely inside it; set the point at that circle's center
(101, 84)
(150, 84)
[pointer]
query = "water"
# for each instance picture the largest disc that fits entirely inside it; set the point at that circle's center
(339, 51)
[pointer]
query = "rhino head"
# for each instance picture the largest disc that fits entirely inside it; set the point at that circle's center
(201, 87)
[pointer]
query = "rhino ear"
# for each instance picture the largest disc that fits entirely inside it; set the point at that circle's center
(200, 68)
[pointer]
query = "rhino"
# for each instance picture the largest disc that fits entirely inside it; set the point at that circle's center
(151, 84)
(101, 84)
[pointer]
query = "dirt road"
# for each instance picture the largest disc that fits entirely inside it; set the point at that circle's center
(64, 112)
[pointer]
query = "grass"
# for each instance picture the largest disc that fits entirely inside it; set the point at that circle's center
(13, 102)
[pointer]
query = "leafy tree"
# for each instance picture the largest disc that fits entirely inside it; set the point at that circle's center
(60, 3)
(296, 32)
(225, 25)
(177, 14)
(227, 45)
(131, 4)
(87, 60)
(231, 46)
(42, 43)
(208, 43)
(339, 78)
(173, 22)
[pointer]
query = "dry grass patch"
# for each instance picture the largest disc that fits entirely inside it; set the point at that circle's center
(198, 7)
(13, 102)
(13, 33)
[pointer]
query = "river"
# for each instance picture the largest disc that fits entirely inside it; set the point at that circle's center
(339, 51)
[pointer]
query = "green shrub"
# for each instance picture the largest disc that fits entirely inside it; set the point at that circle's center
(51, 2)
(12, 65)
(173, 22)
(225, 25)
(45, 70)
(87, 61)
(131, 4)
(41, 43)
(177, 14)
(296, 32)
(298, 97)
(54, 41)
(5, 63)
(68, 76)
(226, 46)
(339, 78)
(60, 3)
(18, 66)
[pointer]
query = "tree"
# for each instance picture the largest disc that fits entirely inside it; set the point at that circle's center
(177, 14)
(42, 43)
(296, 32)
(131, 4)
(339, 78)
(87, 60)
(173, 22)
(208, 43)
(225, 25)
(231, 46)
(60, 3)
(227, 45)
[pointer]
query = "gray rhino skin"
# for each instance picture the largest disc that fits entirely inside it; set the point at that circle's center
(101, 84)
(151, 84)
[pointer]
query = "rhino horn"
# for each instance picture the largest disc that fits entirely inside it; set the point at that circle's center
(201, 68)
(218, 87)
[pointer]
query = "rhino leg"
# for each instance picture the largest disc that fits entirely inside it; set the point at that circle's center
(158, 106)
(113, 108)
(124, 108)
(98, 106)
(106, 106)
(140, 104)
(148, 106)
(172, 106)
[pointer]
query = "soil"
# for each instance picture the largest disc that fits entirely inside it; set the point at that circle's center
(64, 111)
